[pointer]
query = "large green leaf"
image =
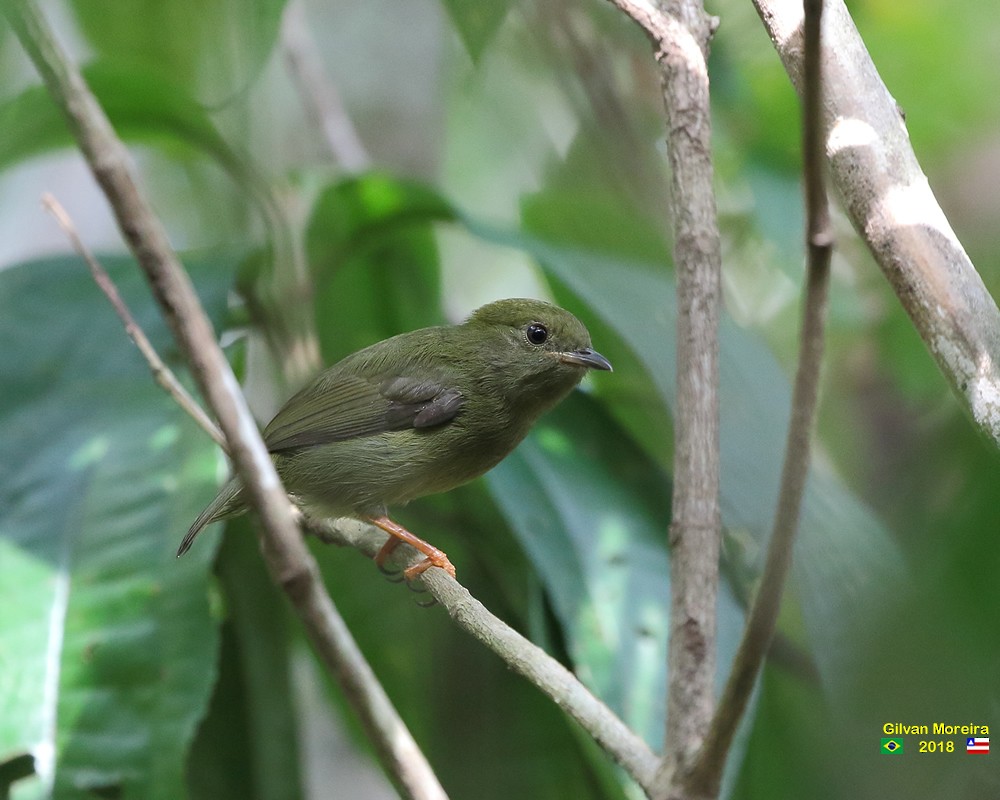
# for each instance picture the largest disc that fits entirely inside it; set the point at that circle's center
(106, 640)
(598, 223)
(477, 23)
(793, 719)
(143, 106)
(375, 260)
(214, 49)
(592, 513)
(247, 745)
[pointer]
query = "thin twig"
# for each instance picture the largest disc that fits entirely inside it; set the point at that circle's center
(680, 31)
(319, 95)
(162, 374)
(706, 776)
(892, 207)
(551, 677)
(288, 560)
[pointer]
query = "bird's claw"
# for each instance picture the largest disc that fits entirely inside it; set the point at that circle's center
(391, 575)
(420, 588)
(435, 558)
(441, 561)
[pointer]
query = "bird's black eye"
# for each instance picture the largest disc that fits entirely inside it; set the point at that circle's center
(537, 333)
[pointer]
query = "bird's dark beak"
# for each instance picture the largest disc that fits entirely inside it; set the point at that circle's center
(586, 357)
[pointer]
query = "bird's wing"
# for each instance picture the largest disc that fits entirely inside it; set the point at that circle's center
(340, 406)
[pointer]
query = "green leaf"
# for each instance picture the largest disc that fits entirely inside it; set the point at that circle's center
(794, 720)
(141, 105)
(592, 513)
(144, 107)
(372, 249)
(214, 49)
(106, 640)
(477, 23)
(593, 221)
(247, 746)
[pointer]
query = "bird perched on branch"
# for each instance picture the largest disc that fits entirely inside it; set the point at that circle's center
(419, 413)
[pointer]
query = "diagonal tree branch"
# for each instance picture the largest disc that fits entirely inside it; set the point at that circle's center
(288, 560)
(525, 658)
(706, 775)
(888, 199)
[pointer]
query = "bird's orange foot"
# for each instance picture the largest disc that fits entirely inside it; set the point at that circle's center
(419, 569)
(397, 534)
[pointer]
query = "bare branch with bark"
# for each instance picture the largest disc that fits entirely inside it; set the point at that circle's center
(890, 203)
(680, 31)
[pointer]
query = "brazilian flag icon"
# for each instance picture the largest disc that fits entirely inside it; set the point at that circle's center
(892, 746)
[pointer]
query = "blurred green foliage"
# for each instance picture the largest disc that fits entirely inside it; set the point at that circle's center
(127, 673)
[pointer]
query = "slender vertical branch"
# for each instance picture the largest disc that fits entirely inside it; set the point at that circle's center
(706, 776)
(289, 562)
(819, 235)
(696, 519)
(680, 31)
(319, 95)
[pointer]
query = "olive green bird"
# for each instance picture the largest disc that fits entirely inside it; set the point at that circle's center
(420, 413)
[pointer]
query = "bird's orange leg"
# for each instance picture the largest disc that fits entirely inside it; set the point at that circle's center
(397, 534)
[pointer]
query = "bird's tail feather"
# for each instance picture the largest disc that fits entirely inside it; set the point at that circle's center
(227, 503)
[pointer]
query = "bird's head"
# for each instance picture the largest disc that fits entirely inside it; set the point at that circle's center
(534, 345)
